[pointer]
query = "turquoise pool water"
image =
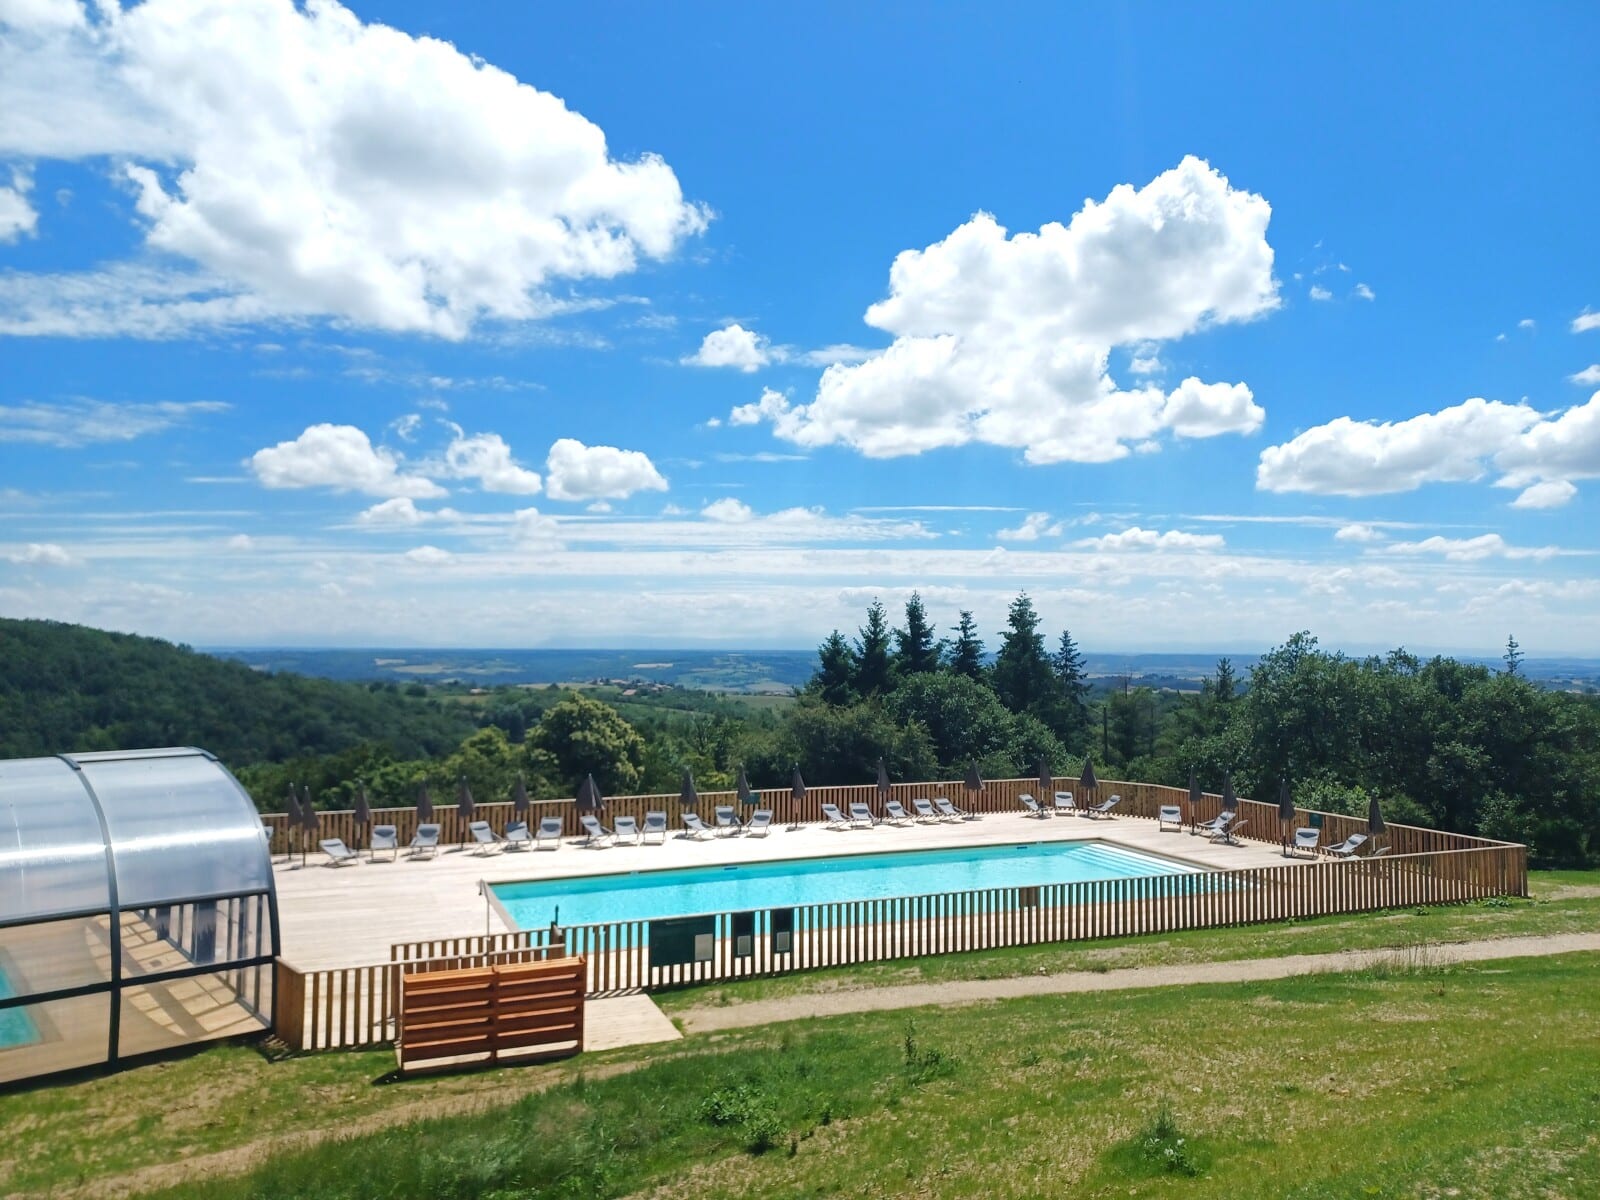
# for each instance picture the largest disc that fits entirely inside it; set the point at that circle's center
(16, 1026)
(648, 895)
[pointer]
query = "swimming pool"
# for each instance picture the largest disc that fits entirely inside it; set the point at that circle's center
(742, 887)
(16, 1026)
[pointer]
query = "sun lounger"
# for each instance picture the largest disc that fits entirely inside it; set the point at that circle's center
(950, 812)
(484, 836)
(595, 830)
(924, 811)
(693, 826)
(861, 814)
(625, 827)
(760, 823)
(1348, 847)
(549, 831)
(426, 841)
(727, 821)
(1378, 853)
(1032, 805)
(656, 823)
(895, 813)
(338, 853)
(1306, 839)
(1221, 821)
(1065, 804)
(1228, 835)
(834, 817)
(1169, 814)
(1103, 809)
(516, 836)
(384, 837)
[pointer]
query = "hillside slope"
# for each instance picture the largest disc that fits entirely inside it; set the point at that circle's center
(69, 687)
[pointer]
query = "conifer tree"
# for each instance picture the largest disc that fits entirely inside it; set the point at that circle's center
(872, 654)
(965, 655)
(1022, 676)
(915, 651)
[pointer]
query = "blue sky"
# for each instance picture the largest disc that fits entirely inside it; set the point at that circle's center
(525, 325)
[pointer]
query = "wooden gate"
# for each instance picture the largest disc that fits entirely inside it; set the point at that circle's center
(492, 1014)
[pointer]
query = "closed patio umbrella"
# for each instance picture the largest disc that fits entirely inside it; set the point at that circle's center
(291, 824)
(974, 786)
(797, 796)
(465, 808)
(519, 798)
(1047, 781)
(310, 821)
(1229, 802)
(1087, 783)
(1195, 796)
(424, 804)
(742, 788)
(589, 798)
(1375, 824)
(364, 813)
(885, 788)
(688, 798)
(1285, 814)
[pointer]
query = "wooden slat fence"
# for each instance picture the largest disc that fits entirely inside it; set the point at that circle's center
(841, 934)
(482, 1014)
(352, 1007)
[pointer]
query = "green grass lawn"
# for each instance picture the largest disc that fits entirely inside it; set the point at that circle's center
(1401, 1082)
(1561, 902)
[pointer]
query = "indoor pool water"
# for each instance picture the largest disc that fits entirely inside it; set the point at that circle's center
(648, 895)
(16, 1026)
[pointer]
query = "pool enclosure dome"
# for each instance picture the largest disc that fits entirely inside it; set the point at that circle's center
(137, 911)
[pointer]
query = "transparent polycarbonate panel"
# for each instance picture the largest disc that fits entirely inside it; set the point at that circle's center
(165, 938)
(177, 1012)
(41, 1039)
(180, 828)
(55, 956)
(52, 853)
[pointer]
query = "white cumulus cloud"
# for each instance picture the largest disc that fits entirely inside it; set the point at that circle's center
(728, 510)
(42, 554)
(429, 556)
(308, 164)
(1473, 549)
(1150, 539)
(1587, 377)
(17, 215)
(1196, 410)
(1318, 292)
(1363, 292)
(732, 346)
(1585, 321)
(1357, 533)
(400, 512)
(579, 472)
(1552, 493)
(486, 458)
(1033, 527)
(340, 457)
(532, 530)
(1006, 339)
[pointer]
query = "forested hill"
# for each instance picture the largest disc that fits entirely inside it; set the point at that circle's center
(69, 687)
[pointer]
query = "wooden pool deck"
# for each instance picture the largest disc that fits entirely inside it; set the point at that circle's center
(346, 916)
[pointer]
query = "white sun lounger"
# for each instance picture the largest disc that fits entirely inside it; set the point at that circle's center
(895, 813)
(549, 831)
(384, 837)
(760, 823)
(426, 841)
(1228, 834)
(693, 826)
(595, 830)
(727, 821)
(860, 814)
(1066, 805)
(950, 812)
(1169, 814)
(338, 853)
(656, 823)
(1221, 821)
(924, 810)
(1306, 839)
(625, 827)
(516, 836)
(484, 836)
(1348, 847)
(835, 817)
(1032, 805)
(1103, 809)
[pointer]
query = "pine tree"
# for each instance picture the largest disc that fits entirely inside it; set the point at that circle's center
(1224, 686)
(1073, 686)
(965, 656)
(872, 654)
(1513, 657)
(1022, 676)
(915, 651)
(835, 677)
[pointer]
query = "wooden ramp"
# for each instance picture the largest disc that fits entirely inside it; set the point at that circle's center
(458, 1018)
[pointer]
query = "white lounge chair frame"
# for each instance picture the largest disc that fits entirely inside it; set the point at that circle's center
(835, 818)
(1034, 809)
(950, 812)
(426, 839)
(484, 836)
(338, 853)
(1103, 809)
(1065, 805)
(727, 818)
(595, 830)
(894, 813)
(625, 827)
(759, 824)
(383, 837)
(549, 830)
(924, 811)
(516, 836)
(694, 827)
(1169, 814)
(861, 815)
(656, 823)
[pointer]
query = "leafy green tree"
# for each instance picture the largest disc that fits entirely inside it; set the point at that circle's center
(915, 649)
(1022, 675)
(841, 745)
(965, 654)
(872, 673)
(582, 736)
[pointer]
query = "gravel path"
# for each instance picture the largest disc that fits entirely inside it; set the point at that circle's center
(976, 991)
